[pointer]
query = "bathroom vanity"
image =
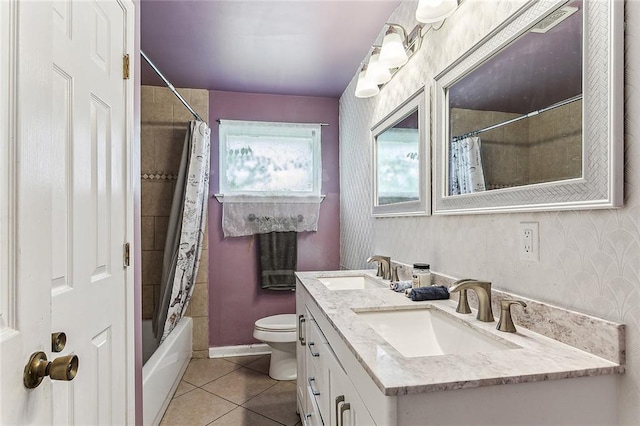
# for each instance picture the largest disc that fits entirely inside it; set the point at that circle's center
(369, 356)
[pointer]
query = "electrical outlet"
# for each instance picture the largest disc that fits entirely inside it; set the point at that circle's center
(529, 241)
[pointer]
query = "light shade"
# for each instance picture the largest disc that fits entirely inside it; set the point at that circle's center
(392, 52)
(431, 11)
(378, 71)
(365, 87)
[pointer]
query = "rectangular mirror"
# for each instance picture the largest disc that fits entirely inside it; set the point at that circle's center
(531, 117)
(401, 160)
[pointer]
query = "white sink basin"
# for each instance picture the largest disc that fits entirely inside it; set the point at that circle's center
(356, 282)
(427, 332)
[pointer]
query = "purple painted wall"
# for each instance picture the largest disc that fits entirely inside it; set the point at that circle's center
(235, 298)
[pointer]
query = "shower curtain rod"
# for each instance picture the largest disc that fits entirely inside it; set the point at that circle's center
(170, 86)
(522, 117)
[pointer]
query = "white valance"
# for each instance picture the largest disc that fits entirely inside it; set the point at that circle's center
(247, 215)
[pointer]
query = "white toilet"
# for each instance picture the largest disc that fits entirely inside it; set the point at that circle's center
(279, 332)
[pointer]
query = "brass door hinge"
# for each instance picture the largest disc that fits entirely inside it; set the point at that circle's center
(127, 254)
(125, 67)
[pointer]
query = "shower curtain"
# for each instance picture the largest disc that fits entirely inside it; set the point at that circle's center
(185, 232)
(465, 166)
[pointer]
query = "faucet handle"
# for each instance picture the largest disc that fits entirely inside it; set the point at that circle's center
(506, 322)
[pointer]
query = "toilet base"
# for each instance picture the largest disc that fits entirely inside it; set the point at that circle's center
(283, 365)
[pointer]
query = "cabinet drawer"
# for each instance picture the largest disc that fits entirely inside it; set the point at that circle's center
(312, 416)
(315, 339)
(317, 370)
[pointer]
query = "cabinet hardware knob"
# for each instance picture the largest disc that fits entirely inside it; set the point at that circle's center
(314, 354)
(313, 391)
(345, 407)
(339, 399)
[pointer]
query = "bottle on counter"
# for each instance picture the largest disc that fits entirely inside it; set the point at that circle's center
(421, 275)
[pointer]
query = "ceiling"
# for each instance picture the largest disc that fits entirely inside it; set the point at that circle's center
(294, 47)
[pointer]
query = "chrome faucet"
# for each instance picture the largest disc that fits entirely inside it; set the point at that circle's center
(384, 266)
(483, 291)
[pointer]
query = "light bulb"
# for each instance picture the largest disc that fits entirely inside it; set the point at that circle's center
(365, 87)
(378, 71)
(392, 52)
(431, 11)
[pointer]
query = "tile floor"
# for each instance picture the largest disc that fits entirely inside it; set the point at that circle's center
(233, 391)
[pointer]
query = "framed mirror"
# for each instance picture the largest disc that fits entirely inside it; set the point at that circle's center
(531, 117)
(401, 159)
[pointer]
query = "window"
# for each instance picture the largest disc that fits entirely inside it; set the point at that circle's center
(269, 159)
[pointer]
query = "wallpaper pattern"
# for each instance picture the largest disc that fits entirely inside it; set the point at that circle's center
(589, 260)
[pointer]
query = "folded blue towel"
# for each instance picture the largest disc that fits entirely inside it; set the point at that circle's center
(400, 286)
(434, 292)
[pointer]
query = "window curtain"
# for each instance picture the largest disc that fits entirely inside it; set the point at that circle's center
(465, 166)
(270, 177)
(249, 215)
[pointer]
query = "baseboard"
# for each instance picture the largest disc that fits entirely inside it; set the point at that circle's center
(240, 350)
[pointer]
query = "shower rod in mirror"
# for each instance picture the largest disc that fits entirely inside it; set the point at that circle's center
(522, 117)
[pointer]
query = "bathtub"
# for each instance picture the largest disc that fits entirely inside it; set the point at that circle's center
(163, 370)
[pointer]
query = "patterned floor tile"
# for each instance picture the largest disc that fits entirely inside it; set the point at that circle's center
(183, 387)
(243, 417)
(195, 408)
(277, 403)
(202, 371)
(244, 360)
(261, 364)
(240, 385)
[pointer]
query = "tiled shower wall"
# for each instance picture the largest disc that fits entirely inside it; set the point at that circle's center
(164, 126)
(589, 260)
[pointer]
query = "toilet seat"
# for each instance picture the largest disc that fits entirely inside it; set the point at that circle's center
(277, 323)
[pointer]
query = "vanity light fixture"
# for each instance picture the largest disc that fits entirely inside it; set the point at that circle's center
(397, 48)
(378, 71)
(392, 52)
(434, 11)
(365, 87)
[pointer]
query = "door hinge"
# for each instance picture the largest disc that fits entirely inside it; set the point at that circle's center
(125, 67)
(127, 254)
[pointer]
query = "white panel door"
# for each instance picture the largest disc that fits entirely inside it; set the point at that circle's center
(88, 278)
(25, 163)
(65, 208)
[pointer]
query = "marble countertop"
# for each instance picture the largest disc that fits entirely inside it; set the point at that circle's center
(534, 357)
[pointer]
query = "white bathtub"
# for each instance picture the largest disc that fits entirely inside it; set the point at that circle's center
(162, 372)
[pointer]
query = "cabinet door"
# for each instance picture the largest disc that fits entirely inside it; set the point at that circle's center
(301, 380)
(347, 409)
(318, 354)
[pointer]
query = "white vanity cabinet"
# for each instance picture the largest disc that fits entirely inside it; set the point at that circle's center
(347, 408)
(326, 395)
(336, 388)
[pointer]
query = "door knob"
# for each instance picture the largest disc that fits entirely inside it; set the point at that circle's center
(62, 368)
